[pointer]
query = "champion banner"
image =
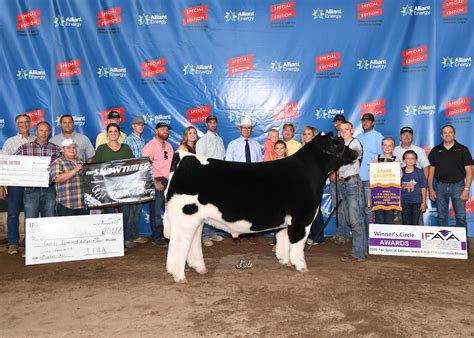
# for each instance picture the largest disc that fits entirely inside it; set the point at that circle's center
(118, 182)
(385, 186)
(408, 62)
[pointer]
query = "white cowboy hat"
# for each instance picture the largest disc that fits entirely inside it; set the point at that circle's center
(245, 121)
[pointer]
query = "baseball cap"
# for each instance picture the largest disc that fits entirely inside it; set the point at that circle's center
(67, 142)
(211, 118)
(138, 120)
(162, 124)
(368, 116)
(339, 117)
(291, 124)
(406, 130)
(113, 115)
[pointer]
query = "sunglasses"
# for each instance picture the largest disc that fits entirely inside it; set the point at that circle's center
(166, 155)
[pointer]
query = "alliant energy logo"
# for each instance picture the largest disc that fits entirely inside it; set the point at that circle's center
(281, 13)
(328, 14)
(239, 16)
(198, 114)
(453, 8)
(67, 72)
(376, 108)
(367, 11)
(152, 119)
(235, 117)
(286, 111)
(26, 21)
(106, 72)
(69, 21)
(419, 109)
(152, 19)
(31, 74)
(327, 113)
(79, 121)
(414, 59)
(240, 64)
(2, 122)
(36, 116)
(325, 63)
(456, 62)
(190, 69)
(153, 71)
(409, 10)
(458, 106)
(195, 18)
(108, 19)
(371, 64)
(285, 66)
(104, 113)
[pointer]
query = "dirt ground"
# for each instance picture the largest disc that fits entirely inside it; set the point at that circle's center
(134, 296)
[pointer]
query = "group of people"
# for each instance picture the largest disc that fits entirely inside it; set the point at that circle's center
(449, 164)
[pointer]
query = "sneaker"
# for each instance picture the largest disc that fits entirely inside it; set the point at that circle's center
(13, 249)
(271, 243)
(309, 241)
(130, 244)
(207, 241)
(217, 238)
(141, 240)
(161, 243)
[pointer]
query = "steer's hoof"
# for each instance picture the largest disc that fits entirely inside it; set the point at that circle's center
(181, 280)
(202, 271)
(284, 262)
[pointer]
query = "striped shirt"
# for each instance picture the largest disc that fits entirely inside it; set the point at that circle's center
(36, 149)
(69, 193)
(136, 144)
(13, 143)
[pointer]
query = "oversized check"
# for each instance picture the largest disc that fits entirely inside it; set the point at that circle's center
(417, 241)
(24, 171)
(73, 238)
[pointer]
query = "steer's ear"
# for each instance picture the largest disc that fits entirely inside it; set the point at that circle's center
(320, 134)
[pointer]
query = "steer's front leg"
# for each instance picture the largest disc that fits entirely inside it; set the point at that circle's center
(297, 252)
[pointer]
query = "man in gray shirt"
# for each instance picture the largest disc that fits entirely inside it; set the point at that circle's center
(210, 145)
(85, 150)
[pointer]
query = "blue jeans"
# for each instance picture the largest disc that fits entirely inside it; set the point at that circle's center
(14, 202)
(367, 209)
(411, 213)
(208, 231)
(342, 228)
(444, 191)
(384, 216)
(351, 192)
(39, 201)
(317, 229)
(131, 213)
(155, 215)
(61, 210)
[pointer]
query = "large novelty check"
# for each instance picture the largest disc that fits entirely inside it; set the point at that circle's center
(24, 171)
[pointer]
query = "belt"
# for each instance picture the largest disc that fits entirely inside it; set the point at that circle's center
(347, 178)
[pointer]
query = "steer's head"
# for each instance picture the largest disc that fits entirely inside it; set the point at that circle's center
(332, 151)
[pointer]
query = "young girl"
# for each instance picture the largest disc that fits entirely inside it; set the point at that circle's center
(414, 186)
(269, 145)
(281, 150)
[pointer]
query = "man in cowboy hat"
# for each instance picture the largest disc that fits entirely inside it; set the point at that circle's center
(244, 148)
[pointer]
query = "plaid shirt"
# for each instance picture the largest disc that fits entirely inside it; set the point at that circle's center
(70, 193)
(36, 149)
(136, 143)
(13, 143)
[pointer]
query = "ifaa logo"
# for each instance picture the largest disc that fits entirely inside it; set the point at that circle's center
(329, 13)
(240, 16)
(408, 10)
(443, 235)
(285, 66)
(327, 113)
(31, 74)
(420, 109)
(70, 21)
(190, 69)
(105, 72)
(152, 19)
(456, 62)
(371, 64)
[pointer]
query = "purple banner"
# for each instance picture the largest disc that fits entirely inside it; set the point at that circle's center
(399, 243)
(386, 198)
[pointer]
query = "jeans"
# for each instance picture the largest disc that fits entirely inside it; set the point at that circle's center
(155, 215)
(208, 231)
(384, 216)
(444, 191)
(411, 213)
(14, 202)
(61, 210)
(39, 201)
(367, 209)
(317, 229)
(342, 228)
(351, 191)
(131, 213)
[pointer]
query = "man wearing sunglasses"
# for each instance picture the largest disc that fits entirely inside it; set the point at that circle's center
(160, 153)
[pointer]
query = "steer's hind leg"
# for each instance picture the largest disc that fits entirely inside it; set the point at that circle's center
(195, 258)
(282, 251)
(297, 250)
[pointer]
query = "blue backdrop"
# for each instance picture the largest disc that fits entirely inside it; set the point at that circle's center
(408, 62)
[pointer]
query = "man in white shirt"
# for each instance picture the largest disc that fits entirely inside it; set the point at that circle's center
(244, 148)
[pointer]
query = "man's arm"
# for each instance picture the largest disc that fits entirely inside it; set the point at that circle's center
(468, 181)
(430, 183)
(201, 147)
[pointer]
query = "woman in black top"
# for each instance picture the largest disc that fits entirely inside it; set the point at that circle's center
(188, 142)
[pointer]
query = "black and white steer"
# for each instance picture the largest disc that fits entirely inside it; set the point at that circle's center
(246, 198)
